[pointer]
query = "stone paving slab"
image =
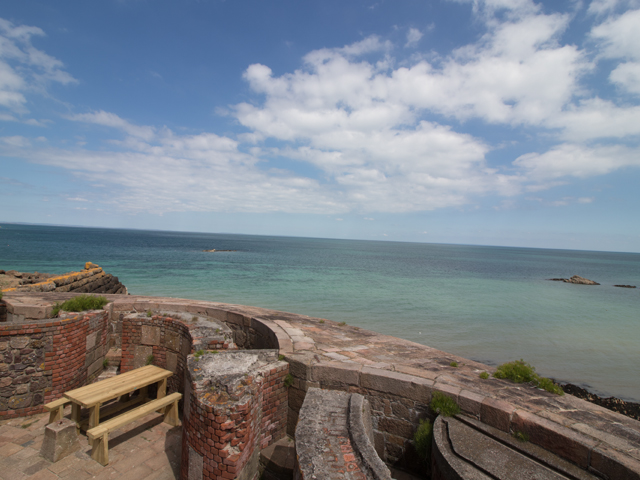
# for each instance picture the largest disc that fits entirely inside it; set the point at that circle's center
(144, 450)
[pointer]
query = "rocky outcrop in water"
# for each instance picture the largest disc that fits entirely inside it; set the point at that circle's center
(625, 286)
(92, 279)
(577, 279)
(630, 409)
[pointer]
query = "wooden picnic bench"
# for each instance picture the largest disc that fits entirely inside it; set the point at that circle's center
(121, 386)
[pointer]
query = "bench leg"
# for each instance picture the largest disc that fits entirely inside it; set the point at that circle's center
(75, 414)
(56, 414)
(100, 449)
(94, 416)
(171, 415)
(162, 392)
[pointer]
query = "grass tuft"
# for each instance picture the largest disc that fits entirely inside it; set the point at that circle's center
(443, 405)
(521, 436)
(80, 304)
(150, 360)
(454, 364)
(105, 363)
(149, 313)
(484, 375)
(520, 371)
(422, 440)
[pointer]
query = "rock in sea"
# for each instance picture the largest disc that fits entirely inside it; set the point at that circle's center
(577, 279)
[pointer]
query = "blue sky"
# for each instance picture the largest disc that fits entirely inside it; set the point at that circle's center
(483, 122)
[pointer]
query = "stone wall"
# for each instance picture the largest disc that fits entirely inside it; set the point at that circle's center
(41, 360)
(235, 405)
(398, 378)
(397, 403)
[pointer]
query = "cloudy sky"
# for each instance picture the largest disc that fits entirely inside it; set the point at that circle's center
(499, 122)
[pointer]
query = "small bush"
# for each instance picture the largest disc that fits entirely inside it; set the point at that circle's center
(422, 440)
(80, 304)
(443, 405)
(150, 360)
(520, 371)
(149, 313)
(454, 364)
(484, 375)
(288, 380)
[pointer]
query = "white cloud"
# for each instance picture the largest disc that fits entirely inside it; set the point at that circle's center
(112, 120)
(627, 75)
(24, 68)
(413, 37)
(619, 36)
(577, 161)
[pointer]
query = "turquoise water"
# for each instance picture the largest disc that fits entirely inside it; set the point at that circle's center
(491, 304)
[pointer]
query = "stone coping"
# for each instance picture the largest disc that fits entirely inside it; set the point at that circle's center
(321, 350)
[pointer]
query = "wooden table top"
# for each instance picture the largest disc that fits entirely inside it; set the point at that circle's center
(100, 392)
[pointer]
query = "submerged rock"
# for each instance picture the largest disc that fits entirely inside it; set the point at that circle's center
(577, 279)
(625, 286)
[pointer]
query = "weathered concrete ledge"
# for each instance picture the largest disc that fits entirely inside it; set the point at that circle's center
(398, 378)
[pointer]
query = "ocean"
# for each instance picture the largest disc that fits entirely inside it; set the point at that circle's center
(490, 304)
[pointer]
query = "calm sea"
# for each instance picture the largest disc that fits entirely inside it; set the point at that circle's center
(491, 304)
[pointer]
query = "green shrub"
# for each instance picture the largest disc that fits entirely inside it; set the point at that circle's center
(443, 405)
(150, 360)
(80, 304)
(288, 380)
(454, 364)
(520, 371)
(149, 313)
(422, 440)
(280, 357)
(484, 375)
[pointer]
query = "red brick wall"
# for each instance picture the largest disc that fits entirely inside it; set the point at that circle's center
(227, 433)
(274, 406)
(41, 360)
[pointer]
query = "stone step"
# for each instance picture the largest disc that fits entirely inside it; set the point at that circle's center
(114, 355)
(278, 460)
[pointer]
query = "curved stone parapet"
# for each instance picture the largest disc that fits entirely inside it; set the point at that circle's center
(466, 449)
(398, 378)
(361, 434)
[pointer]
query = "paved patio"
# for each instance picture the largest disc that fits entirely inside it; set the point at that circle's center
(144, 450)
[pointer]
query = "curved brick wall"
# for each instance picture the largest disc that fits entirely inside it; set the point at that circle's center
(169, 341)
(40, 360)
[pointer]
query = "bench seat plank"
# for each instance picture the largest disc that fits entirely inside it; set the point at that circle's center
(99, 436)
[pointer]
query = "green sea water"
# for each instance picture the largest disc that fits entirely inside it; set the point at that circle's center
(491, 304)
